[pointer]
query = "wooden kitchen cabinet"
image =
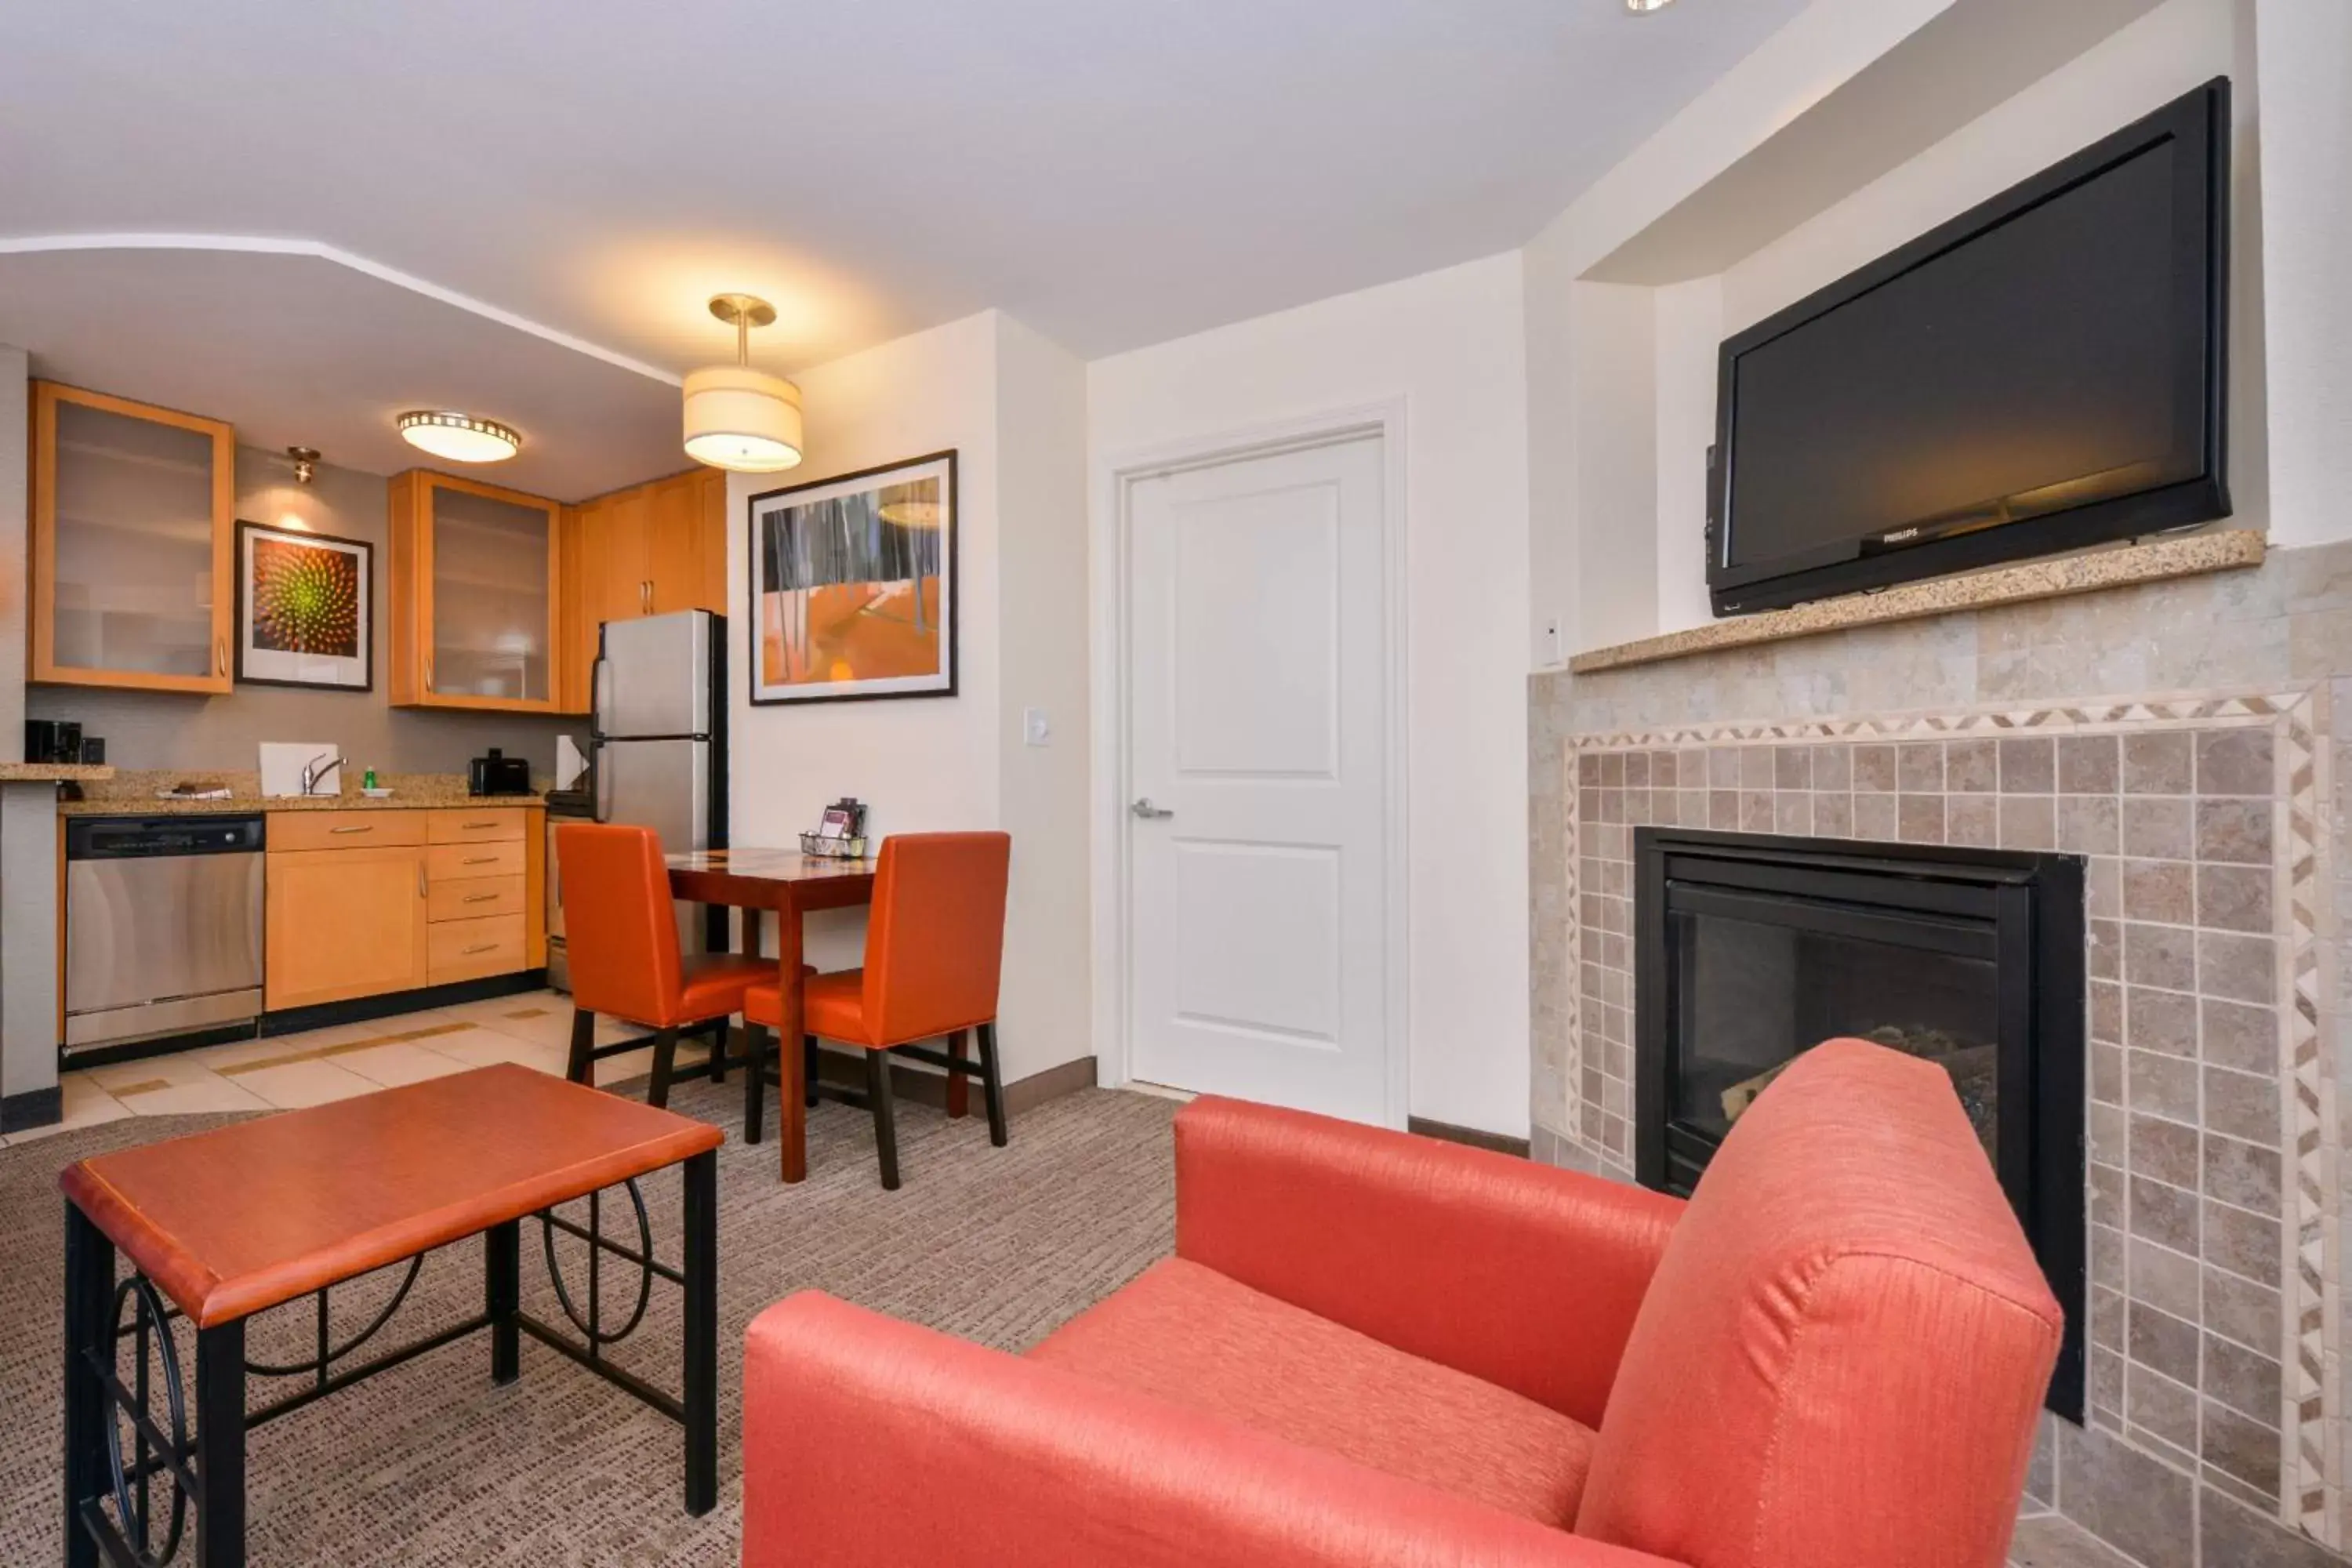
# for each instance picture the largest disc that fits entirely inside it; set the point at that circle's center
(646, 550)
(343, 922)
(131, 545)
(477, 589)
(366, 902)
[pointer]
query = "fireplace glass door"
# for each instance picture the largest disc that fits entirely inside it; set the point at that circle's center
(1754, 993)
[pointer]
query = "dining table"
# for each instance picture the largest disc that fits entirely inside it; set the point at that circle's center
(787, 883)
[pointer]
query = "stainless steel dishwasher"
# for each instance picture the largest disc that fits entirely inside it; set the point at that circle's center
(163, 926)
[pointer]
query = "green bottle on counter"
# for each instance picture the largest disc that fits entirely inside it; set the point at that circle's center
(369, 781)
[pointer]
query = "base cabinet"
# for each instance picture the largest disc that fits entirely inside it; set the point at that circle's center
(366, 903)
(343, 923)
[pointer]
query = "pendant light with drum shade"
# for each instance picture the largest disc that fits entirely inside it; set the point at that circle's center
(738, 418)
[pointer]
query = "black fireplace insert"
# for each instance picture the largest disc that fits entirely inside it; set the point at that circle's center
(1751, 949)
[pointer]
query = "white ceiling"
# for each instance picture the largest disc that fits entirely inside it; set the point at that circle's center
(1113, 172)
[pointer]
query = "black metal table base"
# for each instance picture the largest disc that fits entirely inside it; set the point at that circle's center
(113, 1513)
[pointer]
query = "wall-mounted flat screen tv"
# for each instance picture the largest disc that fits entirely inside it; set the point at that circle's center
(2043, 372)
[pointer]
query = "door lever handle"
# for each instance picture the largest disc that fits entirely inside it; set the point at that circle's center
(1149, 812)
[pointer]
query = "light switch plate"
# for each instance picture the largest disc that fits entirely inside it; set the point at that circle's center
(1036, 729)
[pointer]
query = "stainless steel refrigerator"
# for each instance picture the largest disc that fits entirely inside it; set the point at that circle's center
(658, 747)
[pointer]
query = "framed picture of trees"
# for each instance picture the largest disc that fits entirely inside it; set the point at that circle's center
(853, 586)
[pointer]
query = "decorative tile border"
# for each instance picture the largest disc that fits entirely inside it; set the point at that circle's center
(1760, 776)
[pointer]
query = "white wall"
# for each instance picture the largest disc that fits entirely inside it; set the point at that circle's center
(2303, 51)
(1012, 405)
(1041, 437)
(1451, 345)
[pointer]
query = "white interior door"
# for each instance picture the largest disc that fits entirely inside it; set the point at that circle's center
(1257, 711)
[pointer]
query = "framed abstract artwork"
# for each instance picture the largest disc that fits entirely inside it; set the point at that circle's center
(853, 586)
(304, 612)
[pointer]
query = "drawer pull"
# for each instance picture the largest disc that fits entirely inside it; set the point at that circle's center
(481, 947)
(480, 898)
(469, 826)
(357, 827)
(479, 860)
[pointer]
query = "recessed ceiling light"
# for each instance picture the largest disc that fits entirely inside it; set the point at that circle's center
(1643, 7)
(459, 437)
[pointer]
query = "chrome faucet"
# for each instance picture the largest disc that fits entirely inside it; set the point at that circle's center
(317, 769)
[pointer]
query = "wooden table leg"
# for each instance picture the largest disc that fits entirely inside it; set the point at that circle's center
(792, 1116)
(958, 1086)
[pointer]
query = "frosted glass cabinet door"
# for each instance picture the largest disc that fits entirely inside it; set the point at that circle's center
(131, 518)
(474, 576)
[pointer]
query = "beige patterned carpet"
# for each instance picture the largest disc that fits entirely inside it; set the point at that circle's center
(429, 1465)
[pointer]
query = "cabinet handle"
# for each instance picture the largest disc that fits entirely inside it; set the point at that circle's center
(481, 947)
(361, 827)
(646, 597)
(429, 672)
(469, 826)
(420, 879)
(480, 898)
(220, 656)
(479, 860)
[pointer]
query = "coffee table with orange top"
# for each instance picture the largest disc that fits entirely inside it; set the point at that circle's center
(221, 1226)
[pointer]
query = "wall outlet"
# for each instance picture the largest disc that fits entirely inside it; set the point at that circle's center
(1036, 729)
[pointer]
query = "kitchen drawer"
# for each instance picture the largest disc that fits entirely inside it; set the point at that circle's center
(481, 825)
(467, 949)
(345, 829)
(455, 862)
(472, 898)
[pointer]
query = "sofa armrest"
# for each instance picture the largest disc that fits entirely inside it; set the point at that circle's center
(871, 1441)
(1516, 1273)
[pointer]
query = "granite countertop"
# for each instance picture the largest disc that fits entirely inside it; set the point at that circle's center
(50, 772)
(134, 793)
(241, 805)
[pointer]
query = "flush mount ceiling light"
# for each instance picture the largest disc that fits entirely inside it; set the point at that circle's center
(738, 418)
(1643, 7)
(458, 438)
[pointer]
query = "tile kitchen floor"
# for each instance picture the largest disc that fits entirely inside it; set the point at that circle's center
(285, 1071)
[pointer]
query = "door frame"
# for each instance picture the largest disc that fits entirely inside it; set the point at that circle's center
(1110, 527)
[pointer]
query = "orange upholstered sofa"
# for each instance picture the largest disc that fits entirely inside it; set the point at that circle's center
(1375, 1349)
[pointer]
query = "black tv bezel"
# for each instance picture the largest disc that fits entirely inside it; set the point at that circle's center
(2198, 121)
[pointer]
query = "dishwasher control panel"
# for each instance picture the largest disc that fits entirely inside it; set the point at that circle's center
(133, 838)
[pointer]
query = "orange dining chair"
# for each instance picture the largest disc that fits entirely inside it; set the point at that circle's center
(621, 925)
(934, 946)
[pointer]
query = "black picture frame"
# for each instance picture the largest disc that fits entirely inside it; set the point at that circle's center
(365, 549)
(875, 477)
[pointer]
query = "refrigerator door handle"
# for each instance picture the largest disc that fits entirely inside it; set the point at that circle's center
(596, 699)
(600, 767)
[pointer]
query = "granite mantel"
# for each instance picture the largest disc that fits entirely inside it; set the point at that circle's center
(2185, 556)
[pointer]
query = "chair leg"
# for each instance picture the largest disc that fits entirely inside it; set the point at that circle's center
(755, 1080)
(582, 1067)
(991, 1084)
(886, 1126)
(664, 1060)
(808, 1070)
(719, 1051)
(958, 1087)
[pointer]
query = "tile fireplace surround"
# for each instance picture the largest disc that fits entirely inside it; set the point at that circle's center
(2180, 736)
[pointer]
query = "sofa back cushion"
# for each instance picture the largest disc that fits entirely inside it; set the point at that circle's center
(1841, 1358)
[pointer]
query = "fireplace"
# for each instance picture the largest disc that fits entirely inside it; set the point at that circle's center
(1749, 949)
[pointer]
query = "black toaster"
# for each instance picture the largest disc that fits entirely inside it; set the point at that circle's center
(498, 773)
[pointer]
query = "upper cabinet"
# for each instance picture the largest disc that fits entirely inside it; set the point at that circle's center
(476, 585)
(646, 550)
(130, 544)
